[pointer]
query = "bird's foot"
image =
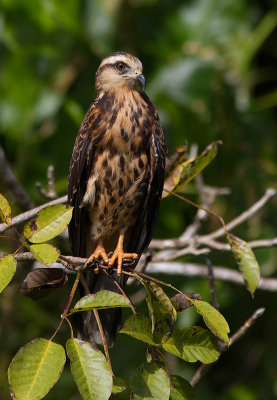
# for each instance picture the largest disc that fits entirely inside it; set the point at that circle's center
(119, 256)
(99, 252)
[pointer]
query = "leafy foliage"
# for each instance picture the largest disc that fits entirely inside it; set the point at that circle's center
(50, 222)
(7, 271)
(210, 70)
(35, 369)
(247, 262)
(90, 370)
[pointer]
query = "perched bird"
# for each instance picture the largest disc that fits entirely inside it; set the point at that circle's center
(115, 181)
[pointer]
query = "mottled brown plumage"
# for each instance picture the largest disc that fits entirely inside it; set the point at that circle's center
(116, 177)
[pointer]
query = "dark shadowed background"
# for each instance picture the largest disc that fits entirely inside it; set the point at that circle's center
(211, 69)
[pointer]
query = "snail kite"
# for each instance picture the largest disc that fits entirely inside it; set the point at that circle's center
(115, 181)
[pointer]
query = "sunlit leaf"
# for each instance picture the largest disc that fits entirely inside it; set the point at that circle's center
(119, 385)
(192, 344)
(45, 253)
(175, 159)
(7, 270)
(35, 369)
(188, 169)
(100, 300)
(181, 389)
(138, 326)
(164, 299)
(90, 370)
(150, 382)
(50, 222)
(5, 210)
(247, 262)
(42, 281)
(213, 319)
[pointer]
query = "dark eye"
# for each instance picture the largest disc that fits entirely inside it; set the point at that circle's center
(120, 66)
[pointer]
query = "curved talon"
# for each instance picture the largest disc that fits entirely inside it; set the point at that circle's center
(99, 252)
(119, 255)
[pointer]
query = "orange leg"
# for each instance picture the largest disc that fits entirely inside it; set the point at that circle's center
(98, 252)
(119, 255)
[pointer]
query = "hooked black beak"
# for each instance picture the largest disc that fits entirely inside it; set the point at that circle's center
(141, 79)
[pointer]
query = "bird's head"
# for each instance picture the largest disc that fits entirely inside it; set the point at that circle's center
(120, 71)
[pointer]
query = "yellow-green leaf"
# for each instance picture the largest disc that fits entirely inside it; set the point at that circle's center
(181, 389)
(35, 369)
(138, 326)
(119, 385)
(192, 344)
(90, 370)
(213, 319)
(246, 261)
(5, 210)
(44, 253)
(150, 382)
(188, 169)
(50, 222)
(100, 300)
(7, 270)
(163, 299)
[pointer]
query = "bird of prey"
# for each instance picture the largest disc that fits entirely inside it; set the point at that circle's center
(115, 181)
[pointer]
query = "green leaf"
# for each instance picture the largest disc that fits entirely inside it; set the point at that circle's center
(44, 253)
(192, 344)
(148, 301)
(181, 389)
(35, 369)
(163, 321)
(90, 370)
(50, 222)
(213, 319)
(163, 299)
(150, 382)
(7, 271)
(138, 326)
(246, 261)
(5, 210)
(119, 385)
(100, 300)
(188, 169)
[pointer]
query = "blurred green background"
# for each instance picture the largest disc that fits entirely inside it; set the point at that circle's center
(211, 69)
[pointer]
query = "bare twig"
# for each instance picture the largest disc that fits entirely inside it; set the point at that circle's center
(173, 268)
(10, 180)
(204, 368)
(244, 216)
(51, 194)
(208, 240)
(200, 271)
(212, 283)
(29, 214)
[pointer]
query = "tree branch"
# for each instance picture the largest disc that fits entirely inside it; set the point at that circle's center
(10, 180)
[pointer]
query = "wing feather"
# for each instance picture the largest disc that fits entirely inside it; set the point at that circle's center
(143, 229)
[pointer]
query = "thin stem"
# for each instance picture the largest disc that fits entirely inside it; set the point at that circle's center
(70, 326)
(10, 238)
(84, 283)
(103, 339)
(70, 298)
(122, 291)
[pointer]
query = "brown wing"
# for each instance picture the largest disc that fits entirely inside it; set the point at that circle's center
(143, 229)
(81, 167)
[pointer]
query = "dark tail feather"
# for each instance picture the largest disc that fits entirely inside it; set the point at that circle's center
(110, 319)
